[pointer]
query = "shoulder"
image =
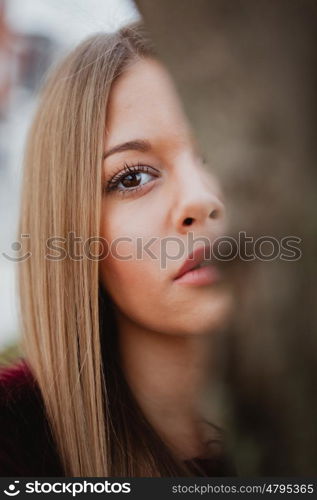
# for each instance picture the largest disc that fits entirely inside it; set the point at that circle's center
(26, 445)
(16, 383)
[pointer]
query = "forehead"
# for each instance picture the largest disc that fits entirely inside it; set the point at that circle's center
(144, 103)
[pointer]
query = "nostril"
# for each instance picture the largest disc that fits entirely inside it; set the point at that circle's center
(214, 214)
(188, 221)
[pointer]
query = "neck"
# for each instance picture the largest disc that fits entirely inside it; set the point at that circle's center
(166, 376)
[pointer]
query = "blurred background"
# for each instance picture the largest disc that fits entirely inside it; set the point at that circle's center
(33, 35)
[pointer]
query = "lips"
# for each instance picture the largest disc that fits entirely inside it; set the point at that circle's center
(194, 259)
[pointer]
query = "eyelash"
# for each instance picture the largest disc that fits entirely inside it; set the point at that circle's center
(112, 184)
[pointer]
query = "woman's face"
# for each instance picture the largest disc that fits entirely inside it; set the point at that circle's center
(166, 206)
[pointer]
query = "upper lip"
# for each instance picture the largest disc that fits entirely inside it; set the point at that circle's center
(194, 258)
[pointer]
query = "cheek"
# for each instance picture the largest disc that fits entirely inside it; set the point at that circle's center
(128, 273)
(122, 277)
(133, 287)
(120, 219)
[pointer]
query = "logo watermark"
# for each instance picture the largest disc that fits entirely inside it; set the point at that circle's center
(12, 491)
(73, 488)
(171, 248)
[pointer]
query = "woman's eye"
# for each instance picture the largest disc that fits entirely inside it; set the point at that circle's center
(132, 178)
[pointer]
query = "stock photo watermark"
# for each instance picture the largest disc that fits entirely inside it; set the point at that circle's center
(222, 248)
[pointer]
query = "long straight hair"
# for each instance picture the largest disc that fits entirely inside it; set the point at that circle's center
(69, 332)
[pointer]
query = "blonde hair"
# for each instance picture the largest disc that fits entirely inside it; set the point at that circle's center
(68, 329)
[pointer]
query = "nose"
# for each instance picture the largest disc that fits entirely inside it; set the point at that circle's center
(198, 205)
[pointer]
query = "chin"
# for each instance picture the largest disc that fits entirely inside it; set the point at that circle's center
(208, 318)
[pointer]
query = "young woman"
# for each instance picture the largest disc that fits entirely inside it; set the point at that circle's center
(115, 329)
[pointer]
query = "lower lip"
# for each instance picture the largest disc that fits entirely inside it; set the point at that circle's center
(201, 276)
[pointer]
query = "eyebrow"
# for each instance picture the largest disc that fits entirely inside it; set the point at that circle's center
(135, 145)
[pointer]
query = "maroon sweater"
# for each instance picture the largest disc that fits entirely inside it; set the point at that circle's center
(26, 444)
